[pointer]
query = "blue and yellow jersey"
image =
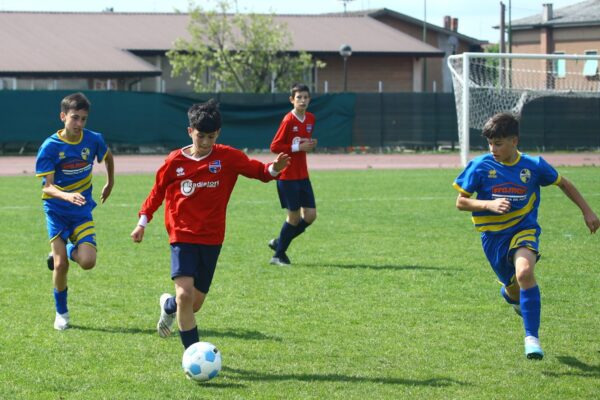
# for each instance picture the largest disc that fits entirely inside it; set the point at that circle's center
(71, 163)
(519, 182)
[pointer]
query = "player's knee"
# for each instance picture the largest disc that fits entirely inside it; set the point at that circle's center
(87, 263)
(309, 219)
(184, 298)
(61, 265)
(524, 274)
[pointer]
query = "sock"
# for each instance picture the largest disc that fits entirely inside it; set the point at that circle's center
(300, 228)
(70, 248)
(286, 236)
(506, 297)
(60, 300)
(190, 337)
(531, 307)
(170, 305)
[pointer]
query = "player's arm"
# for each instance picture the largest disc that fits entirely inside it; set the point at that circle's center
(281, 142)
(464, 202)
(590, 218)
(307, 145)
(51, 190)
(109, 163)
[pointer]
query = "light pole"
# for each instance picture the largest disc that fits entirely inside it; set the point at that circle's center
(345, 52)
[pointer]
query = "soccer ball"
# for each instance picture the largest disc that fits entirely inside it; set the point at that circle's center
(201, 361)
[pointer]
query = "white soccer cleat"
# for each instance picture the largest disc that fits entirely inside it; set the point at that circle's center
(165, 322)
(61, 321)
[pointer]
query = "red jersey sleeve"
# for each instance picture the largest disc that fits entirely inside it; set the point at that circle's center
(251, 168)
(282, 143)
(157, 194)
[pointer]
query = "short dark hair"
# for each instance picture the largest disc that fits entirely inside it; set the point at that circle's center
(299, 87)
(501, 125)
(75, 101)
(205, 117)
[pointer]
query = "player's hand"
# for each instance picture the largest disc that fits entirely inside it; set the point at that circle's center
(138, 234)
(592, 222)
(498, 206)
(75, 198)
(307, 145)
(282, 161)
(106, 190)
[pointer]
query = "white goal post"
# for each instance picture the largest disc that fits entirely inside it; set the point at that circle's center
(488, 83)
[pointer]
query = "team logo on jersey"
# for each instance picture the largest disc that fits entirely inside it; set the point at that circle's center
(492, 174)
(308, 128)
(179, 171)
(61, 155)
(188, 187)
(525, 175)
(85, 153)
(214, 166)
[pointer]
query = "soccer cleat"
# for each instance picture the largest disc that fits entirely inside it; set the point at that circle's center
(50, 262)
(165, 322)
(61, 321)
(273, 244)
(283, 261)
(517, 309)
(533, 350)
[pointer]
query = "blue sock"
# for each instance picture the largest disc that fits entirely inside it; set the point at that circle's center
(60, 300)
(531, 308)
(70, 248)
(285, 238)
(300, 228)
(190, 337)
(170, 305)
(506, 297)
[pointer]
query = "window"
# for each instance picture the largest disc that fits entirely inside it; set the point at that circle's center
(559, 66)
(590, 68)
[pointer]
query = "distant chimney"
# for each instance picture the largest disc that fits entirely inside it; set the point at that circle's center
(547, 14)
(447, 20)
(454, 24)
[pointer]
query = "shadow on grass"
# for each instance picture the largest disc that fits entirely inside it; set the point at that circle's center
(254, 376)
(583, 369)
(379, 267)
(236, 334)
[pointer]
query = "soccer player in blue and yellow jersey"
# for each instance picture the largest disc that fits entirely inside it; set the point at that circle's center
(507, 183)
(294, 137)
(65, 161)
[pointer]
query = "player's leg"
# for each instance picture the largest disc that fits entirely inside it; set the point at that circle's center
(59, 280)
(308, 207)
(530, 300)
(82, 248)
(186, 321)
(512, 294)
(290, 200)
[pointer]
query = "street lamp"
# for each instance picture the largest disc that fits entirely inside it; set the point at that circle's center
(345, 52)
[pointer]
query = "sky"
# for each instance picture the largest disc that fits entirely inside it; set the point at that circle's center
(475, 17)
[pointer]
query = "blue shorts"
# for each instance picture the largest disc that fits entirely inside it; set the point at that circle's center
(196, 260)
(500, 251)
(295, 194)
(77, 229)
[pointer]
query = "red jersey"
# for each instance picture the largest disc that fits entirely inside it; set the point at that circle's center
(196, 192)
(290, 132)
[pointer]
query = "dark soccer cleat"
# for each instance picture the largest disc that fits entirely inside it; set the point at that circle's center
(282, 260)
(50, 262)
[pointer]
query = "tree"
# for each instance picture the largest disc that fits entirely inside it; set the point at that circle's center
(238, 53)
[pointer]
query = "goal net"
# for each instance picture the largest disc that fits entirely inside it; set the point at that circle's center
(488, 83)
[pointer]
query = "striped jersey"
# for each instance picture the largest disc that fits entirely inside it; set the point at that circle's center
(71, 163)
(519, 182)
(292, 131)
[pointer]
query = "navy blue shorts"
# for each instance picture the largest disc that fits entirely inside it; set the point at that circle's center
(295, 194)
(196, 260)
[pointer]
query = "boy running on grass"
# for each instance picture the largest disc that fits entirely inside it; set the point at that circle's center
(65, 161)
(196, 183)
(294, 137)
(507, 183)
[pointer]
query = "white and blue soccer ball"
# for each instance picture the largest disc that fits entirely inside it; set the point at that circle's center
(201, 361)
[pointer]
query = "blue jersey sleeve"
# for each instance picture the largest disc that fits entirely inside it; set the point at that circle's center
(468, 182)
(101, 148)
(45, 162)
(548, 175)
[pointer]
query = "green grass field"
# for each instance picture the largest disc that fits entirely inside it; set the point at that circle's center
(389, 297)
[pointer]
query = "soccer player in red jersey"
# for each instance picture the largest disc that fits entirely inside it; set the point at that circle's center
(294, 137)
(196, 183)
